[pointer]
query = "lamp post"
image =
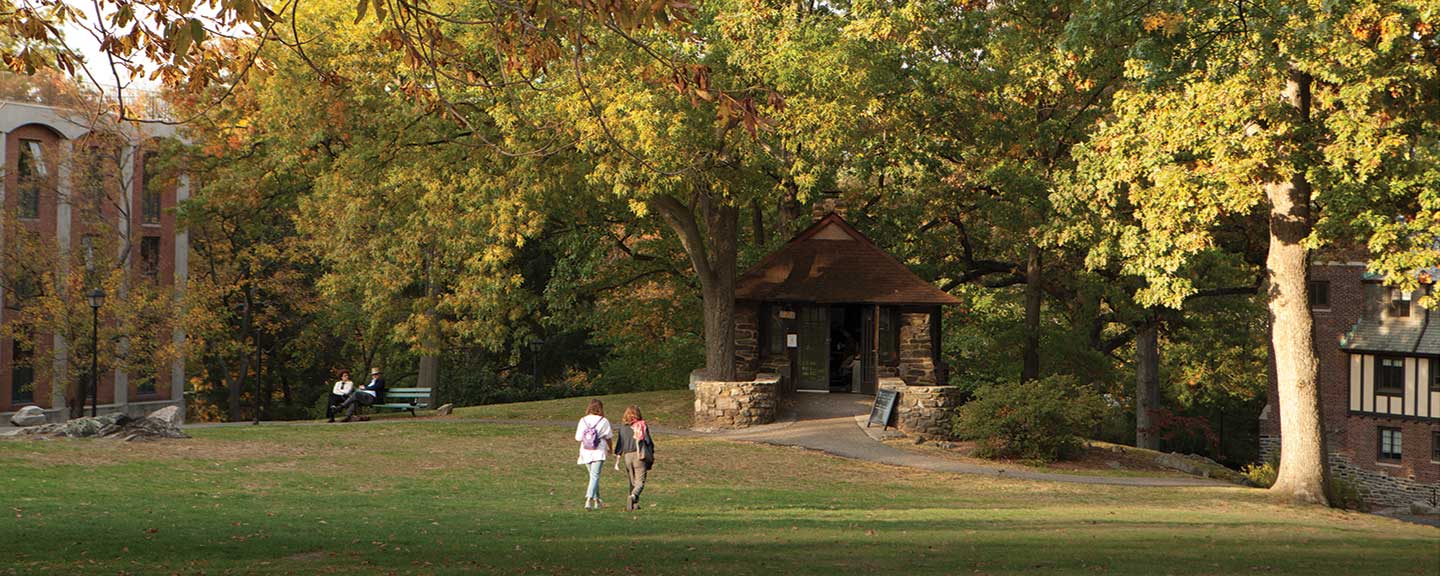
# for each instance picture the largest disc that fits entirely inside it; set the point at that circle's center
(97, 298)
(535, 347)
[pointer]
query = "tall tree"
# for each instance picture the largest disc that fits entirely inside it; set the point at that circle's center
(1305, 112)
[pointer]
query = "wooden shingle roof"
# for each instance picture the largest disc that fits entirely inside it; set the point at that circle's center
(833, 263)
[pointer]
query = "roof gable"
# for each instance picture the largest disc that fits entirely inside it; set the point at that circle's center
(831, 263)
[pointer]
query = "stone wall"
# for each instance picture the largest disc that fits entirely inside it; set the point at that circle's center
(1382, 489)
(747, 339)
(923, 410)
(917, 360)
(720, 405)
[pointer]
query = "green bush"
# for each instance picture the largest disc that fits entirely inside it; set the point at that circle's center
(1261, 475)
(1041, 420)
(1347, 495)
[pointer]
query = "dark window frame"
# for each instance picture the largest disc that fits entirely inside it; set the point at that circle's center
(28, 179)
(1434, 375)
(150, 196)
(1319, 294)
(888, 335)
(1399, 304)
(1381, 370)
(1435, 445)
(772, 330)
(1398, 443)
(22, 374)
(150, 267)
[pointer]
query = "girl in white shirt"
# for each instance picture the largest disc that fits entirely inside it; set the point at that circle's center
(593, 433)
(338, 393)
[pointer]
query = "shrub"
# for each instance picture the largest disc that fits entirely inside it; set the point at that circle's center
(1041, 420)
(1347, 495)
(1261, 475)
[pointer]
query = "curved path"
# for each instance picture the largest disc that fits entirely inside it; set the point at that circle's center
(833, 423)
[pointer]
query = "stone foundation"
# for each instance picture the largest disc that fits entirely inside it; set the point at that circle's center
(721, 404)
(917, 362)
(923, 410)
(1380, 489)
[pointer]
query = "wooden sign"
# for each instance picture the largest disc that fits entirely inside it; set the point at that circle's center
(883, 408)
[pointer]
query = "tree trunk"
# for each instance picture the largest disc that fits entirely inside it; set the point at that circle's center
(1303, 475)
(430, 361)
(757, 222)
(712, 254)
(1147, 385)
(237, 386)
(1030, 368)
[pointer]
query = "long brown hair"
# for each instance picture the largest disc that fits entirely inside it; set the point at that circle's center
(632, 415)
(596, 408)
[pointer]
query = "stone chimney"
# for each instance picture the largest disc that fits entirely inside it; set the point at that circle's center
(827, 203)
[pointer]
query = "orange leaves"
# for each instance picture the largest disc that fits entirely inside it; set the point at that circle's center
(1167, 23)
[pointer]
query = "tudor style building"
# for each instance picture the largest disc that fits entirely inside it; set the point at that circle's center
(69, 179)
(1379, 376)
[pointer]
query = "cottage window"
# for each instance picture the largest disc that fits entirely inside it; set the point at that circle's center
(30, 172)
(1390, 377)
(1389, 444)
(22, 374)
(774, 330)
(889, 337)
(1399, 303)
(1319, 294)
(1435, 446)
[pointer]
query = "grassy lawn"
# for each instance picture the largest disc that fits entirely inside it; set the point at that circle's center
(436, 497)
(674, 408)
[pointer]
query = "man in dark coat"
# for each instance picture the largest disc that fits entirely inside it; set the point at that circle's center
(373, 392)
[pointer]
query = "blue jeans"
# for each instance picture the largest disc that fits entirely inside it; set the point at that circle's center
(593, 491)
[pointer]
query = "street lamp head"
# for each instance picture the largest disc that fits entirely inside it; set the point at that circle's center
(96, 297)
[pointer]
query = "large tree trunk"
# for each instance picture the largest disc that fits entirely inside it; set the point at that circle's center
(237, 385)
(757, 222)
(1147, 384)
(1303, 475)
(429, 374)
(712, 254)
(1030, 368)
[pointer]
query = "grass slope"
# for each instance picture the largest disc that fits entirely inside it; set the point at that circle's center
(673, 408)
(463, 498)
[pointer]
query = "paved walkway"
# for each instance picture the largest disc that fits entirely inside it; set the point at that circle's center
(834, 424)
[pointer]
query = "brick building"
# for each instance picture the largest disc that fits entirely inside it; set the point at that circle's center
(1379, 377)
(80, 181)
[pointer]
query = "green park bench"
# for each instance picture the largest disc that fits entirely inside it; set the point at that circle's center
(405, 399)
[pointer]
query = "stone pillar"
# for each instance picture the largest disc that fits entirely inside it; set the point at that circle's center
(747, 339)
(182, 278)
(924, 410)
(724, 405)
(917, 354)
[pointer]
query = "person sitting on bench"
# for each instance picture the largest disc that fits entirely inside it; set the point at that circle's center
(371, 393)
(339, 394)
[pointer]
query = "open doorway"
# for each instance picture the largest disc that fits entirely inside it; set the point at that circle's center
(846, 336)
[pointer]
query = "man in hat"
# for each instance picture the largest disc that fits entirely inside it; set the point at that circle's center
(371, 393)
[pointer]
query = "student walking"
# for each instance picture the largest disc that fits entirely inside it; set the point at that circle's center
(635, 447)
(339, 393)
(593, 433)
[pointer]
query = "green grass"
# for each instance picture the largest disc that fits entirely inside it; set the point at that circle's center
(437, 497)
(674, 408)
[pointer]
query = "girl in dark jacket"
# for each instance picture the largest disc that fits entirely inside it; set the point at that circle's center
(636, 450)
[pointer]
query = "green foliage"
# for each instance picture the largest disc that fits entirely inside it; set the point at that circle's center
(1347, 494)
(1261, 475)
(1045, 419)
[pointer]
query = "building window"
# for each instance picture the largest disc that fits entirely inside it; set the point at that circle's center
(1435, 446)
(1319, 294)
(774, 330)
(150, 256)
(1399, 303)
(1390, 376)
(150, 192)
(145, 387)
(30, 173)
(889, 339)
(22, 374)
(1389, 444)
(1435, 374)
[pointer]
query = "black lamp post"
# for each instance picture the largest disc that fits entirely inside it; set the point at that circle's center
(97, 298)
(535, 347)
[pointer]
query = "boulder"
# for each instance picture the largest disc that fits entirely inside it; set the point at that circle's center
(28, 416)
(444, 410)
(169, 414)
(114, 425)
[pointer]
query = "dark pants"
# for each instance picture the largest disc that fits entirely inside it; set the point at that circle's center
(354, 403)
(336, 401)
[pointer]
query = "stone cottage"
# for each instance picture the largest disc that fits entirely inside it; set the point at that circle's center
(832, 312)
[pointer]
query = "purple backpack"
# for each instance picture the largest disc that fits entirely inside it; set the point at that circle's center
(590, 438)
